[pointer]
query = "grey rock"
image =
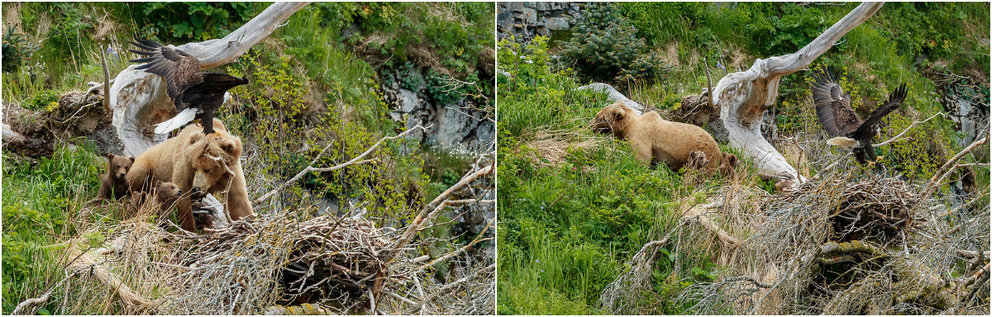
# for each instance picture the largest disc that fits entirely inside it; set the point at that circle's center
(557, 23)
(408, 100)
(529, 16)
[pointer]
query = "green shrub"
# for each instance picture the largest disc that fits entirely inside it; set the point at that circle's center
(275, 110)
(46, 100)
(17, 50)
(191, 21)
(605, 47)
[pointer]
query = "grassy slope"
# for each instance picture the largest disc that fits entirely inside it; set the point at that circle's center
(566, 230)
(308, 64)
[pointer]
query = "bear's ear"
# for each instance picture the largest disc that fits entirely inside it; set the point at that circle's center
(132, 159)
(158, 183)
(231, 147)
(195, 137)
(110, 156)
(618, 114)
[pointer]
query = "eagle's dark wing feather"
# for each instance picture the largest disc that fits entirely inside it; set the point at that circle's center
(833, 106)
(867, 129)
(180, 70)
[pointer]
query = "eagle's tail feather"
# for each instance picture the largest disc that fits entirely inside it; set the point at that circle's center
(176, 122)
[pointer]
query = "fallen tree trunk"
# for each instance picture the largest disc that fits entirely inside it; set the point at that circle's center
(744, 96)
(139, 99)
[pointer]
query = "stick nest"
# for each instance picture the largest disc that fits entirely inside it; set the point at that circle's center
(878, 210)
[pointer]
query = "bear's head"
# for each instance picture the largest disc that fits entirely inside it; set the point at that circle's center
(167, 192)
(119, 165)
(697, 160)
(728, 163)
(212, 158)
(613, 119)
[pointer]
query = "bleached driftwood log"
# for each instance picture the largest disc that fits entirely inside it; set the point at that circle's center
(612, 95)
(744, 96)
(139, 100)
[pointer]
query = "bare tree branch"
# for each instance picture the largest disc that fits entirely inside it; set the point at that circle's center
(354, 161)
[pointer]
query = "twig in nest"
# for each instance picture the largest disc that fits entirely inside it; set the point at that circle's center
(354, 161)
(443, 290)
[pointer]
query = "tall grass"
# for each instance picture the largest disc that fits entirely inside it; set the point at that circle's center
(41, 209)
(566, 230)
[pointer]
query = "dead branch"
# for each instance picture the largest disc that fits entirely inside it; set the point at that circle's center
(354, 161)
(84, 262)
(422, 216)
(478, 238)
(139, 99)
(911, 125)
(744, 96)
(947, 169)
(696, 214)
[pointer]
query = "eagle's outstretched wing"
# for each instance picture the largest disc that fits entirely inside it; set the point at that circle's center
(180, 70)
(867, 129)
(833, 106)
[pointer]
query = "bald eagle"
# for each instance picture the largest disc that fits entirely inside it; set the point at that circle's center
(196, 94)
(833, 108)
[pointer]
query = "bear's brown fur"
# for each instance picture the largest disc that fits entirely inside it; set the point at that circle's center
(656, 140)
(159, 200)
(114, 183)
(194, 162)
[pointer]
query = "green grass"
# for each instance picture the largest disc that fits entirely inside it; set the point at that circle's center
(36, 199)
(313, 73)
(566, 231)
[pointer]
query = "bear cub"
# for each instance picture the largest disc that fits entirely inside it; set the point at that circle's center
(159, 200)
(114, 184)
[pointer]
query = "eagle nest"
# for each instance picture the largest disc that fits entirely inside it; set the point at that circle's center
(878, 210)
(273, 264)
(840, 244)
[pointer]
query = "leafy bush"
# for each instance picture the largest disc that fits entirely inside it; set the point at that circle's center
(46, 100)
(186, 21)
(275, 110)
(605, 47)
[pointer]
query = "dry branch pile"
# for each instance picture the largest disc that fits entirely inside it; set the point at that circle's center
(878, 210)
(283, 262)
(839, 246)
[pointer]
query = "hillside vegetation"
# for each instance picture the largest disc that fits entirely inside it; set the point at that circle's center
(315, 83)
(577, 212)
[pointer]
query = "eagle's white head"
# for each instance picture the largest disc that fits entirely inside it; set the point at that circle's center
(845, 142)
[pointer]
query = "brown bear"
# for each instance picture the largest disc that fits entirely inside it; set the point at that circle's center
(159, 201)
(197, 162)
(656, 140)
(114, 183)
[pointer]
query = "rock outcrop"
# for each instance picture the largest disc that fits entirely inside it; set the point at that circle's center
(525, 20)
